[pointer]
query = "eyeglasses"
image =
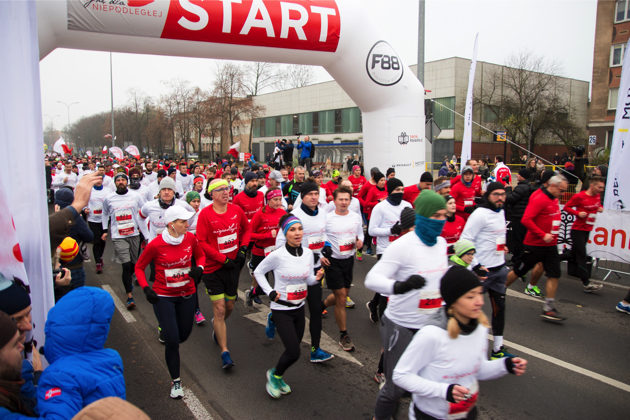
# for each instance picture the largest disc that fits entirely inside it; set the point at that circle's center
(222, 189)
(496, 194)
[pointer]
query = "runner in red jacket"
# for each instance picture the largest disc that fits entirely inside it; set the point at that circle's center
(464, 194)
(412, 191)
(357, 180)
(454, 225)
(250, 200)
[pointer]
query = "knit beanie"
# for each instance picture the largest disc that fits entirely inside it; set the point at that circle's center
(307, 187)
(467, 169)
(390, 171)
(69, 249)
(167, 183)
(492, 187)
(407, 218)
(392, 184)
(121, 175)
(192, 195)
(524, 173)
(249, 176)
(546, 175)
(161, 173)
(426, 177)
(463, 246)
(64, 197)
(7, 329)
(428, 202)
(14, 296)
(456, 282)
(378, 176)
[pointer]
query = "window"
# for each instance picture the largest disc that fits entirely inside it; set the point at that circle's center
(306, 123)
(270, 126)
(315, 118)
(616, 55)
(286, 125)
(327, 122)
(296, 124)
(612, 98)
(490, 113)
(621, 11)
(443, 116)
(256, 128)
(351, 120)
(338, 121)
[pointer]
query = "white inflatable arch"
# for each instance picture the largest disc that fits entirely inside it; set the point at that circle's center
(336, 34)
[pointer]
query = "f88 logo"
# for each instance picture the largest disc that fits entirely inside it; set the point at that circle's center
(383, 65)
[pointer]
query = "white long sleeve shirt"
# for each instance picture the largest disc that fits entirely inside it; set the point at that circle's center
(123, 212)
(355, 206)
(185, 181)
(342, 233)
(404, 257)
(314, 228)
(147, 179)
(292, 275)
(433, 361)
(486, 229)
(152, 213)
(384, 216)
(96, 204)
(64, 180)
(322, 199)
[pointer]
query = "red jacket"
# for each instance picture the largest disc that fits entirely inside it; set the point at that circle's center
(542, 216)
(221, 235)
(464, 197)
(476, 183)
(262, 225)
(249, 205)
(583, 202)
(357, 183)
(411, 193)
(452, 230)
(172, 263)
(373, 198)
(330, 187)
(361, 196)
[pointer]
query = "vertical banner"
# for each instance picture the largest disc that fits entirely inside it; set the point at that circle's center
(610, 238)
(467, 139)
(618, 183)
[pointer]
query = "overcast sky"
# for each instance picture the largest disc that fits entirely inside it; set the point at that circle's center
(559, 30)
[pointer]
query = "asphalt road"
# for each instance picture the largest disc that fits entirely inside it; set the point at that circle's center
(577, 370)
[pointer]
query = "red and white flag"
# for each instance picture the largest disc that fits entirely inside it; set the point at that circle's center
(133, 151)
(104, 151)
(89, 153)
(107, 136)
(234, 149)
(61, 147)
(117, 152)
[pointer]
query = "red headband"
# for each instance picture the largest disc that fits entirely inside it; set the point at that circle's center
(273, 194)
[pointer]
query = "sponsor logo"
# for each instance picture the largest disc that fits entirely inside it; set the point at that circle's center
(404, 138)
(52, 392)
(383, 64)
(123, 7)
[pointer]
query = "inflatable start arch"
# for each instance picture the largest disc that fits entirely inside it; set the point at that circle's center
(336, 34)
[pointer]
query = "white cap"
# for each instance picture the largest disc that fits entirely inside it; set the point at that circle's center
(176, 212)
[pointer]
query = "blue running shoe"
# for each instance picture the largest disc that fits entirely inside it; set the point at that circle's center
(226, 360)
(270, 329)
(318, 355)
(500, 354)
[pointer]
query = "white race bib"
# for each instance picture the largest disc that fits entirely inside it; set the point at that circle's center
(346, 245)
(430, 301)
(500, 244)
(227, 243)
(461, 409)
(296, 293)
(468, 203)
(555, 227)
(176, 277)
(316, 242)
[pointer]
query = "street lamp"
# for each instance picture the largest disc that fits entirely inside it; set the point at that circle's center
(68, 109)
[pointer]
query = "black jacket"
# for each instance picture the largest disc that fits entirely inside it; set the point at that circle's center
(517, 200)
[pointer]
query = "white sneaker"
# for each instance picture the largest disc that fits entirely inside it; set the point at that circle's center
(176, 390)
(592, 287)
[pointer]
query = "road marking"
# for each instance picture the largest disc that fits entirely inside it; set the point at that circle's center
(327, 343)
(570, 366)
(194, 405)
(119, 305)
(520, 295)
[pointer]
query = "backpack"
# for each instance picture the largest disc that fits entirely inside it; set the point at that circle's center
(312, 155)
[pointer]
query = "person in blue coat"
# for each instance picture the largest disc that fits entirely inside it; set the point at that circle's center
(81, 371)
(305, 154)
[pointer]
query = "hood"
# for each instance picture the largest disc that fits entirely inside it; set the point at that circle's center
(78, 323)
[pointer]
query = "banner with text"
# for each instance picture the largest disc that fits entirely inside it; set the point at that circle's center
(610, 238)
(467, 138)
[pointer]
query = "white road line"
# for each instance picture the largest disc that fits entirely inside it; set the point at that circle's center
(119, 305)
(327, 343)
(520, 295)
(194, 405)
(570, 366)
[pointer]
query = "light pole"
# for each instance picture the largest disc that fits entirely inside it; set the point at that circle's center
(68, 109)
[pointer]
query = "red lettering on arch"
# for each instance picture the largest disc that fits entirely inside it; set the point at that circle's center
(601, 236)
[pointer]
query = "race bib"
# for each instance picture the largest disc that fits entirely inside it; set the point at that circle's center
(177, 277)
(268, 250)
(123, 216)
(590, 219)
(392, 238)
(126, 229)
(346, 246)
(468, 203)
(461, 409)
(430, 301)
(227, 243)
(315, 242)
(500, 244)
(97, 211)
(555, 227)
(296, 293)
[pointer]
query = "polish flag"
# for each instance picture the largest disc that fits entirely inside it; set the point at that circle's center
(133, 151)
(234, 149)
(61, 147)
(104, 151)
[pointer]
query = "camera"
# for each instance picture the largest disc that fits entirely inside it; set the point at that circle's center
(56, 272)
(578, 150)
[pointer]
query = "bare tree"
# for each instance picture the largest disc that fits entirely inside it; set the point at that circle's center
(139, 106)
(229, 89)
(295, 76)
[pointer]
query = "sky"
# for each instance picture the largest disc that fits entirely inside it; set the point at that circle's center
(561, 31)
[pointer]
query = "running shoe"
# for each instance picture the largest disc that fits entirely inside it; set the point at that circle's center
(346, 343)
(552, 315)
(257, 300)
(99, 268)
(500, 354)
(270, 329)
(623, 308)
(131, 304)
(368, 251)
(176, 390)
(349, 303)
(161, 338)
(249, 298)
(199, 318)
(319, 356)
(359, 255)
(533, 291)
(371, 306)
(226, 360)
(379, 378)
(592, 287)
(273, 385)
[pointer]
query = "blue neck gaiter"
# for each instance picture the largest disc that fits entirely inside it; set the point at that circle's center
(428, 230)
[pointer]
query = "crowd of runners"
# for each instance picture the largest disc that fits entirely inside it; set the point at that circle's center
(440, 245)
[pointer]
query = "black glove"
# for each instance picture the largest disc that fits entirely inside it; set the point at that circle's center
(396, 229)
(230, 263)
(469, 209)
(506, 179)
(315, 258)
(196, 273)
(327, 251)
(480, 271)
(241, 255)
(415, 281)
(273, 295)
(151, 296)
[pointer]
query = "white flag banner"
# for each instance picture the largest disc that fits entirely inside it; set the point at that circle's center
(89, 153)
(618, 183)
(133, 150)
(610, 238)
(58, 146)
(467, 139)
(117, 152)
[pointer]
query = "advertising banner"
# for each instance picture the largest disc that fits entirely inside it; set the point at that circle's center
(610, 238)
(467, 138)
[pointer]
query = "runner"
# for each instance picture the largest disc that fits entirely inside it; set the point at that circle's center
(357, 180)
(355, 205)
(515, 204)
(409, 272)
(501, 172)
(542, 221)
(250, 200)
(442, 186)
(375, 195)
(361, 195)
(224, 234)
(314, 227)
(67, 178)
(292, 267)
(442, 364)
(584, 206)
(121, 210)
(412, 191)
(464, 193)
(344, 231)
(173, 291)
(486, 229)
(454, 224)
(94, 212)
(291, 189)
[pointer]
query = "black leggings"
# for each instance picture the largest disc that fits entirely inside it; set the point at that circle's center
(579, 238)
(314, 300)
(99, 245)
(175, 315)
(497, 301)
(127, 272)
(290, 326)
